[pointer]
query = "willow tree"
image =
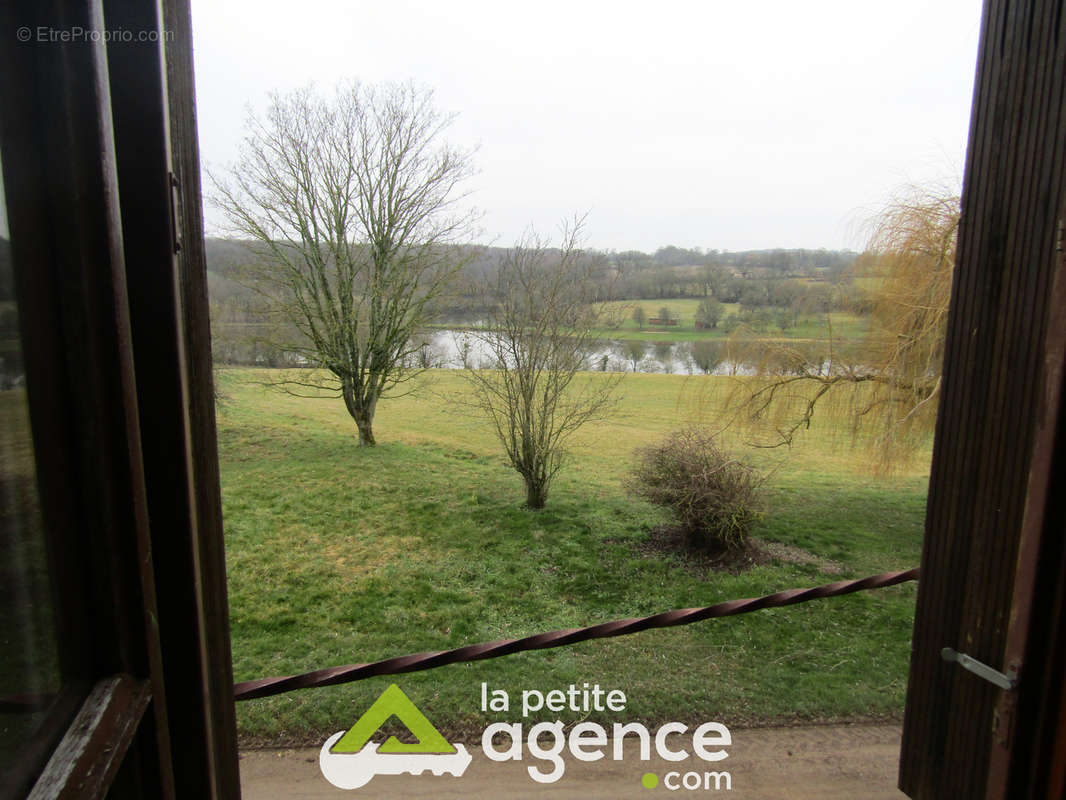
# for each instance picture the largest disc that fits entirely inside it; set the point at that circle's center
(354, 206)
(889, 382)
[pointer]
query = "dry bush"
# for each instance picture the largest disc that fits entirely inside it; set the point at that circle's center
(714, 496)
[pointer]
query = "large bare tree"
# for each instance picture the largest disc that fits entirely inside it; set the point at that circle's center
(355, 207)
(539, 336)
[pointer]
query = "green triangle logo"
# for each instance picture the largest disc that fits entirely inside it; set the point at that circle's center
(393, 702)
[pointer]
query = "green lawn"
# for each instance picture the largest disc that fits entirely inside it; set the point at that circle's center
(338, 554)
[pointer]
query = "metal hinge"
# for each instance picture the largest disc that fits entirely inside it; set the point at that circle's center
(175, 211)
(1008, 680)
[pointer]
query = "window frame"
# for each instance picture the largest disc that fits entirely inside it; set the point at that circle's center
(101, 165)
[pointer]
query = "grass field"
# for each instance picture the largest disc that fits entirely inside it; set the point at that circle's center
(810, 327)
(338, 554)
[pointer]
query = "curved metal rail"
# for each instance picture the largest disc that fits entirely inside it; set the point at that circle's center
(331, 676)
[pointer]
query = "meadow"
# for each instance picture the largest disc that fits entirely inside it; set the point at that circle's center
(339, 555)
(809, 327)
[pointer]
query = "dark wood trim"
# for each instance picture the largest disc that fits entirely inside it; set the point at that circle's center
(126, 453)
(1056, 753)
(69, 276)
(34, 754)
(90, 754)
(168, 315)
(193, 298)
(993, 413)
(1023, 762)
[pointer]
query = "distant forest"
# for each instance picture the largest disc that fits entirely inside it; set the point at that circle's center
(763, 283)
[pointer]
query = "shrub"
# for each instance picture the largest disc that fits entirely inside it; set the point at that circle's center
(707, 355)
(731, 323)
(714, 496)
(710, 312)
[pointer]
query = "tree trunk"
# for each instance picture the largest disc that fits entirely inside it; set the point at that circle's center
(536, 495)
(362, 413)
(366, 431)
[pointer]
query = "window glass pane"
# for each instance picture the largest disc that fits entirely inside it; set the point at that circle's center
(29, 667)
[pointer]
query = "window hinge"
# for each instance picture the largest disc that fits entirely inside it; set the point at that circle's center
(175, 211)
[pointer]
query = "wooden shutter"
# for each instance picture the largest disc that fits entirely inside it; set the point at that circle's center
(994, 474)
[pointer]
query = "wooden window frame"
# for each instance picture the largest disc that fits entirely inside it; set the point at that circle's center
(102, 175)
(101, 166)
(993, 559)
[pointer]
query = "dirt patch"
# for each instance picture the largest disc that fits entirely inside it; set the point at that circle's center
(469, 727)
(797, 555)
(804, 763)
(670, 540)
(358, 555)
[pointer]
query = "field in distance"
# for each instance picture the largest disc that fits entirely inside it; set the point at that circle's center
(809, 327)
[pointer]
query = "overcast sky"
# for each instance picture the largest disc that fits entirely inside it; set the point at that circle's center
(699, 124)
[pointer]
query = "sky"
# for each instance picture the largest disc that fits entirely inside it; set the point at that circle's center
(706, 124)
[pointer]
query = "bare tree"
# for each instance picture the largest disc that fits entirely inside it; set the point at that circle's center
(353, 204)
(539, 335)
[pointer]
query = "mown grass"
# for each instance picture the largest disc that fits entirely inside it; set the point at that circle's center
(338, 554)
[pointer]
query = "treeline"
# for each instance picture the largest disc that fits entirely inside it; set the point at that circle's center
(754, 278)
(678, 272)
(798, 262)
(773, 289)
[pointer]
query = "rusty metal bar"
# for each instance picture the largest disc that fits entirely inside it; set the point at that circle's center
(332, 676)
